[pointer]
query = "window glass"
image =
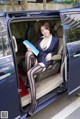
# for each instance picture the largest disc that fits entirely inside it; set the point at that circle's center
(6, 46)
(4, 41)
(1, 49)
(71, 24)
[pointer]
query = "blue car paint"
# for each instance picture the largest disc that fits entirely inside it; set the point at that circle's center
(74, 73)
(6, 64)
(9, 99)
(70, 10)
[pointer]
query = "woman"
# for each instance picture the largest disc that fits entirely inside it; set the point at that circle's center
(47, 47)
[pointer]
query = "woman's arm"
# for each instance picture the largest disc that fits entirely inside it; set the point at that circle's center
(48, 57)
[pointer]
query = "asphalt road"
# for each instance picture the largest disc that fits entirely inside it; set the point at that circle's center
(63, 108)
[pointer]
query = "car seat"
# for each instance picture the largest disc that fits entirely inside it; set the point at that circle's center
(32, 33)
(54, 68)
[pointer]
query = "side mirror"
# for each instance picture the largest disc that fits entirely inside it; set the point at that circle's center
(15, 44)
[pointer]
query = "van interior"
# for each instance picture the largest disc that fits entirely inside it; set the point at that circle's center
(48, 81)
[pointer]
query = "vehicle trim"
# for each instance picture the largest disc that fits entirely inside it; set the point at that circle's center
(4, 76)
(74, 90)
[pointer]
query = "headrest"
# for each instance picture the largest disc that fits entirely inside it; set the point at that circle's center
(60, 31)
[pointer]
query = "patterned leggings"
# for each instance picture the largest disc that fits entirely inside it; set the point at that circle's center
(31, 71)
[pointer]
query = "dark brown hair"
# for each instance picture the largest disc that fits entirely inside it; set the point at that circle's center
(47, 26)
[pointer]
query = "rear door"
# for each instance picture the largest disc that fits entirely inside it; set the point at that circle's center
(71, 25)
(9, 99)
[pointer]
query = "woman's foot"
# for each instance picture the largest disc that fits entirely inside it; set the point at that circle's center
(33, 108)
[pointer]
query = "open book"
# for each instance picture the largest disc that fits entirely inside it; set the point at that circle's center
(30, 45)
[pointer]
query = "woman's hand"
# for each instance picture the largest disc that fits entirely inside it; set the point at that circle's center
(29, 49)
(48, 57)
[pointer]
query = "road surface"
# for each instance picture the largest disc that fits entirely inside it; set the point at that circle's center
(63, 108)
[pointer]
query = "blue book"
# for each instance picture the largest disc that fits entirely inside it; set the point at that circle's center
(30, 45)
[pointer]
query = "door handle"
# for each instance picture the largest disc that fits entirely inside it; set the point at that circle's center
(77, 55)
(4, 76)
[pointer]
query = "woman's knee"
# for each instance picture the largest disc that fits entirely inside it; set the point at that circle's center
(28, 54)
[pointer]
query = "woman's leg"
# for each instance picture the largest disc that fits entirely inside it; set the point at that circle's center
(29, 57)
(28, 60)
(34, 70)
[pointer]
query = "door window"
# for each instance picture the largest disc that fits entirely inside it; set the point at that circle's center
(4, 41)
(71, 24)
(6, 46)
(1, 49)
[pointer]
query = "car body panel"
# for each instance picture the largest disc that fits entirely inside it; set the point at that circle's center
(9, 99)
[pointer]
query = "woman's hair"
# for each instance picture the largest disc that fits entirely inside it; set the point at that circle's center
(47, 26)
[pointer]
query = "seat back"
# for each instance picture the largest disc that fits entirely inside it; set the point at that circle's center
(60, 46)
(60, 36)
(32, 34)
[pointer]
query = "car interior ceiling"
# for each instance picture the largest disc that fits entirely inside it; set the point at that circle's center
(30, 30)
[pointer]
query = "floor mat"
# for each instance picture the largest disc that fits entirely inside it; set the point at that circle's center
(23, 91)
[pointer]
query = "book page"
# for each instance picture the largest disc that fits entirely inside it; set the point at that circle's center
(30, 45)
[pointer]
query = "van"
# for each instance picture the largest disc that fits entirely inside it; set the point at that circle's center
(61, 77)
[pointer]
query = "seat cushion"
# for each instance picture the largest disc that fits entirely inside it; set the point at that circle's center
(49, 71)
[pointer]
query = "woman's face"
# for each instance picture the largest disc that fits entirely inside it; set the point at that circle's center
(45, 31)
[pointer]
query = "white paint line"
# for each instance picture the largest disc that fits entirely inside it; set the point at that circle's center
(67, 110)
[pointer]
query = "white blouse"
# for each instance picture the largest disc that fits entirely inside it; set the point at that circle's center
(45, 43)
